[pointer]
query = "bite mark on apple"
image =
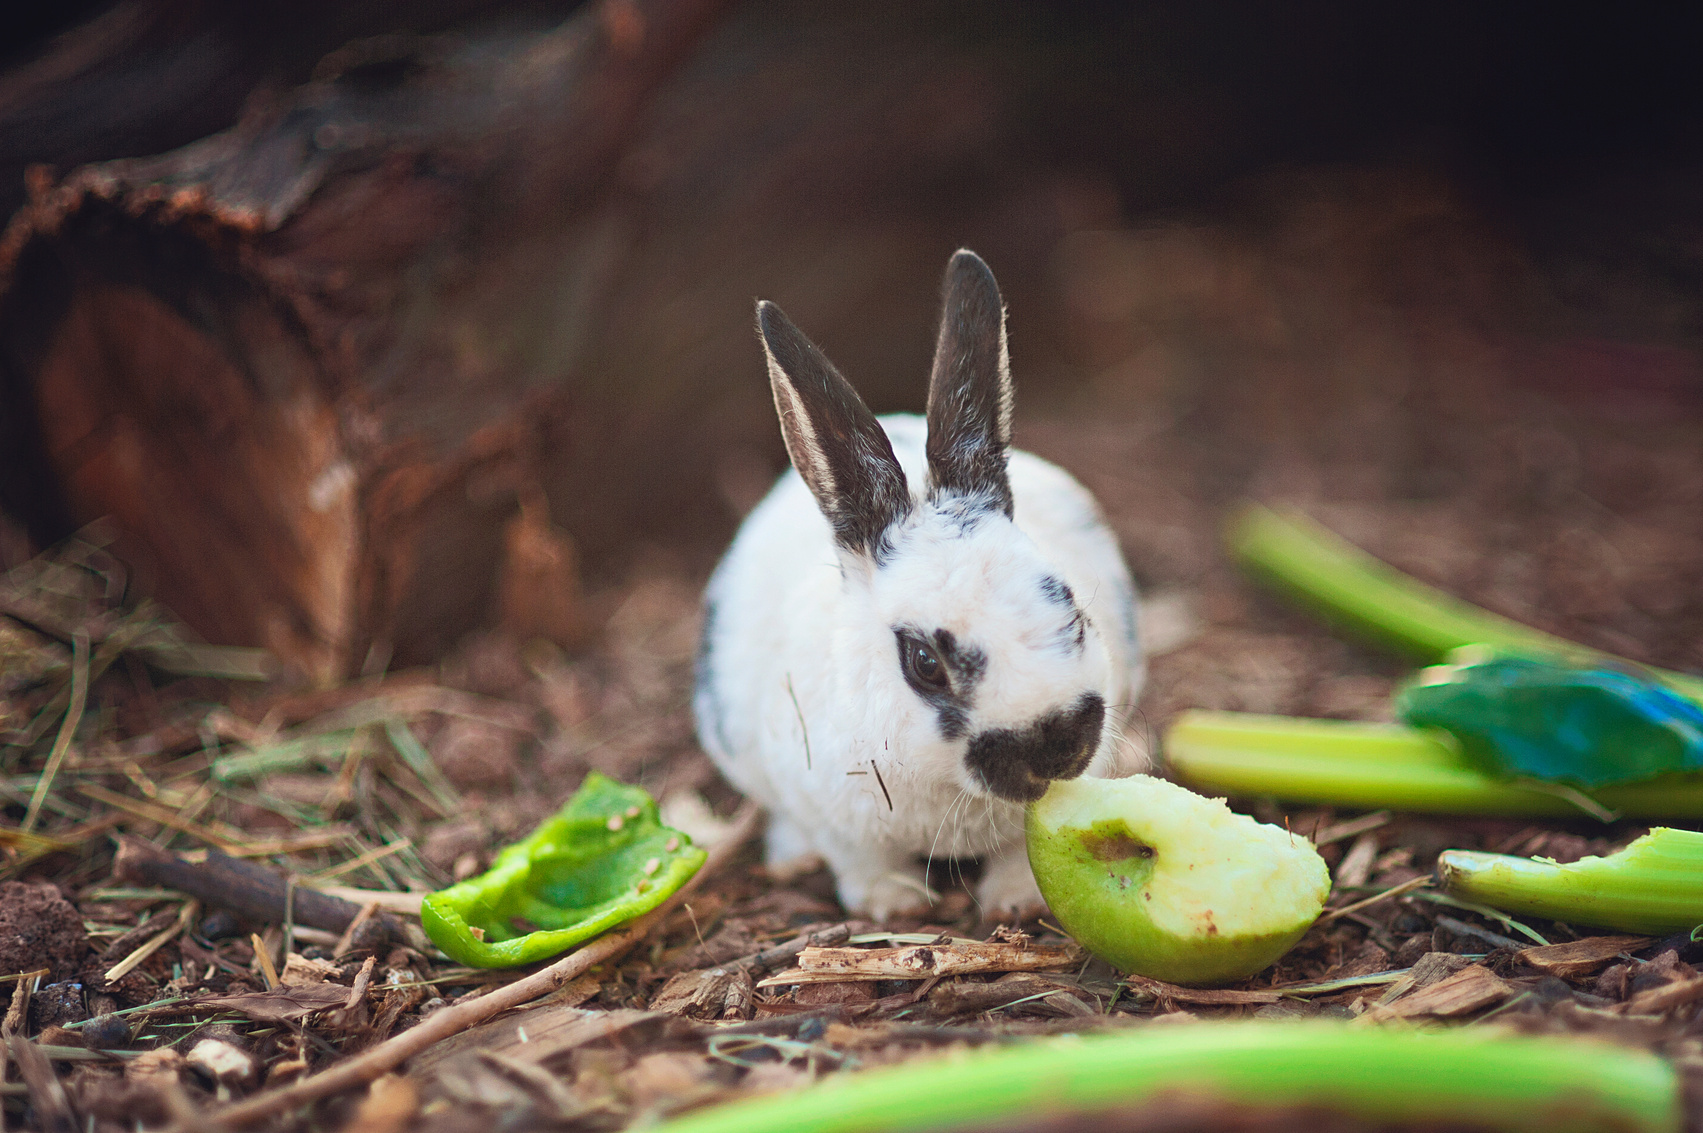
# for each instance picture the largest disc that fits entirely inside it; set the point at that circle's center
(1115, 846)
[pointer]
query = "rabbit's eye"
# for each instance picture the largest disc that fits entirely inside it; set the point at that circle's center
(923, 667)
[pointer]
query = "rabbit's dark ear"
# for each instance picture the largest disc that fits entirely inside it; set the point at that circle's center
(969, 392)
(834, 440)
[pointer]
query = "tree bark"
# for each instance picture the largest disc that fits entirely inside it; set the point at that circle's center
(312, 365)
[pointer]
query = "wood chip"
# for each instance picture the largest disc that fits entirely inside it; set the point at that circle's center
(282, 1004)
(298, 969)
(1468, 990)
(1356, 867)
(1580, 957)
(1027, 991)
(1659, 1000)
(923, 961)
(702, 994)
(533, 1036)
(1209, 996)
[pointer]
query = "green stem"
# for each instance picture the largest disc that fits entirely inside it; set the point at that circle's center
(1479, 1077)
(1321, 570)
(1653, 886)
(1370, 766)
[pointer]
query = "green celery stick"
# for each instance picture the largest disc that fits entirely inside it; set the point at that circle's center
(1350, 764)
(1478, 1077)
(1321, 570)
(1653, 886)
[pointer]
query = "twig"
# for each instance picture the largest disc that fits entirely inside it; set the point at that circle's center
(247, 888)
(363, 980)
(1394, 891)
(391, 1053)
(73, 717)
(876, 767)
(268, 970)
(922, 961)
(46, 1092)
(771, 958)
(407, 904)
(185, 917)
(1350, 828)
(348, 937)
(1494, 939)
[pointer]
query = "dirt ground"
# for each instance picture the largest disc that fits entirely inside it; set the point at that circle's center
(1366, 343)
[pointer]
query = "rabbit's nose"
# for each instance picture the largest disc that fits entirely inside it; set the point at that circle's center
(1018, 763)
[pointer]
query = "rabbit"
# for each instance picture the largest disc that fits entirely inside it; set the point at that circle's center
(918, 628)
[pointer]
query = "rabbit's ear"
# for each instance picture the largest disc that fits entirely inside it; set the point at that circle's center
(969, 392)
(834, 440)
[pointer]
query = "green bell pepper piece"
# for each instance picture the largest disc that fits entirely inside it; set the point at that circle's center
(602, 860)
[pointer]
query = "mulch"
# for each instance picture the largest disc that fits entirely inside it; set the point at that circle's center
(1356, 342)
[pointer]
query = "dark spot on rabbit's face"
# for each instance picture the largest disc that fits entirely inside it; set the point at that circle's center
(1018, 763)
(1075, 630)
(943, 672)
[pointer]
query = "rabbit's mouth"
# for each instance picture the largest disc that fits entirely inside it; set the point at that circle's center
(1018, 763)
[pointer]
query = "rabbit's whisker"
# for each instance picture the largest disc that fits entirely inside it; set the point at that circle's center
(944, 818)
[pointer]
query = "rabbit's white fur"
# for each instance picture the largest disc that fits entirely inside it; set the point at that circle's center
(802, 697)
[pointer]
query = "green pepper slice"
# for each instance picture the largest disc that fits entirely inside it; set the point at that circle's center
(600, 861)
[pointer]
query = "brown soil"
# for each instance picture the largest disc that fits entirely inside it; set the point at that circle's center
(39, 929)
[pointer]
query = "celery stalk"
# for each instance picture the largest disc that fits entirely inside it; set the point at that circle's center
(1350, 764)
(1477, 1077)
(1653, 886)
(1321, 570)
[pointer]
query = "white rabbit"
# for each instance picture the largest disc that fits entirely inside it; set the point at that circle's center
(917, 629)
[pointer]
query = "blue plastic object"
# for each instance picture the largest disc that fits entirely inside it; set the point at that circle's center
(1517, 717)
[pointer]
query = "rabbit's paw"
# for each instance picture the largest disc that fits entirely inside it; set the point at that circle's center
(902, 891)
(1008, 892)
(881, 886)
(788, 853)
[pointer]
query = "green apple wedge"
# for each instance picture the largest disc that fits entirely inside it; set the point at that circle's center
(1162, 882)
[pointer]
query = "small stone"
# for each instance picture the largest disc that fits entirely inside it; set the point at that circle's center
(223, 1062)
(373, 935)
(57, 1004)
(220, 924)
(106, 1032)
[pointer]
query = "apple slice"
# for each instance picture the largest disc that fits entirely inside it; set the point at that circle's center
(1162, 882)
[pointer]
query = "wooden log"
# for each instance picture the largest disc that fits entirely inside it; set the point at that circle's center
(313, 365)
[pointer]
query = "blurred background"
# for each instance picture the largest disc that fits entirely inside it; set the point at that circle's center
(367, 329)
